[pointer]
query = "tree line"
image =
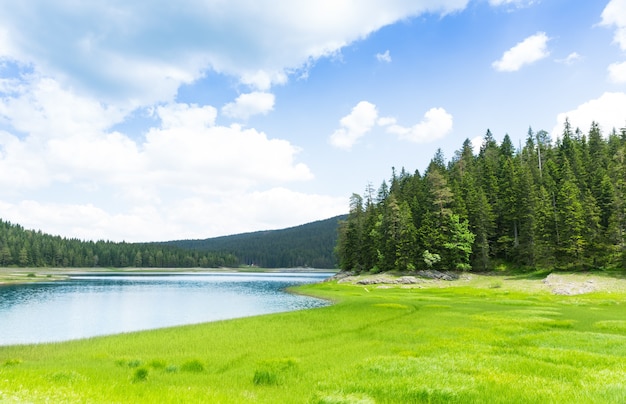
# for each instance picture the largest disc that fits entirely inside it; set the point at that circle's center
(558, 204)
(27, 248)
(307, 245)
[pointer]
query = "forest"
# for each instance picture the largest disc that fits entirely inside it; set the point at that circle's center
(307, 245)
(28, 248)
(556, 204)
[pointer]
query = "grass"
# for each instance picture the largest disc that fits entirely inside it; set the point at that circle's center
(478, 340)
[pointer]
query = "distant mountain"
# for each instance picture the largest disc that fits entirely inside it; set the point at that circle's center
(308, 245)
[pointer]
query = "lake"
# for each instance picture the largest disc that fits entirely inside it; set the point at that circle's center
(87, 305)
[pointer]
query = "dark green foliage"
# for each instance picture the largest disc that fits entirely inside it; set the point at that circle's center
(308, 245)
(140, 375)
(27, 248)
(193, 365)
(558, 205)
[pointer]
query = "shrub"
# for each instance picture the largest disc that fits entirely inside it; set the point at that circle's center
(140, 375)
(193, 365)
(157, 364)
(171, 369)
(265, 377)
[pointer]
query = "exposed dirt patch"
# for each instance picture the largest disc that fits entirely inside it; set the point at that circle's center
(567, 284)
(563, 285)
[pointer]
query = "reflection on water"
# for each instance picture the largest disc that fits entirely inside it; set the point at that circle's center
(90, 305)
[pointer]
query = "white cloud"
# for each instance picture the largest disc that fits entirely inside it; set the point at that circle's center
(570, 59)
(528, 51)
(617, 72)
(353, 126)
(386, 121)
(189, 217)
(249, 104)
(40, 107)
(436, 124)
(614, 15)
(384, 57)
(130, 52)
(192, 116)
(607, 111)
(136, 189)
(477, 143)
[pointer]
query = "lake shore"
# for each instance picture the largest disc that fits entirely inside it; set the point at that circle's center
(9, 275)
(558, 283)
(480, 338)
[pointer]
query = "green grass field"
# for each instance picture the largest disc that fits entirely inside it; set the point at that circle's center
(484, 340)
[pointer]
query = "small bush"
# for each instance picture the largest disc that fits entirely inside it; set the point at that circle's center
(140, 375)
(157, 364)
(135, 363)
(12, 362)
(31, 275)
(171, 369)
(193, 365)
(265, 377)
(274, 371)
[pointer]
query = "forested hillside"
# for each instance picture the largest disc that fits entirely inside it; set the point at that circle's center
(308, 245)
(27, 248)
(546, 204)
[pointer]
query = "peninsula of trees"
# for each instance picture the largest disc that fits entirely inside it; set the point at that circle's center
(547, 204)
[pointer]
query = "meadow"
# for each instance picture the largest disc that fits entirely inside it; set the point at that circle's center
(491, 339)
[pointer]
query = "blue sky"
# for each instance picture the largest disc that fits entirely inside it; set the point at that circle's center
(154, 120)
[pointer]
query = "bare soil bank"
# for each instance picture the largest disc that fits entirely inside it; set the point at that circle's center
(555, 283)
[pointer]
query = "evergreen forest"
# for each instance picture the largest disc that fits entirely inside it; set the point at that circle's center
(554, 204)
(307, 245)
(27, 248)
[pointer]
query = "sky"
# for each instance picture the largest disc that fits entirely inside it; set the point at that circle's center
(153, 120)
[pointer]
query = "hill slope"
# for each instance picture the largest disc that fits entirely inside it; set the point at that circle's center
(307, 245)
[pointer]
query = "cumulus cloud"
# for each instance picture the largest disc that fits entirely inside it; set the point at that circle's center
(354, 125)
(135, 188)
(617, 72)
(249, 104)
(528, 51)
(477, 143)
(570, 59)
(614, 15)
(40, 107)
(436, 124)
(607, 111)
(384, 57)
(130, 51)
(187, 217)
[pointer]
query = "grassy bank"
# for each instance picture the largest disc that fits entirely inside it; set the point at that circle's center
(479, 339)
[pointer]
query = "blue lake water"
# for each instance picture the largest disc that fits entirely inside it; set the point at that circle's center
(94, 304)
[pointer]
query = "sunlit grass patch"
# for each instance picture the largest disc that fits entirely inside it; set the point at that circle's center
(66, 377)
(157, 364)
(193, 366)
(455, 345)
(274, 371)
(611, 325)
